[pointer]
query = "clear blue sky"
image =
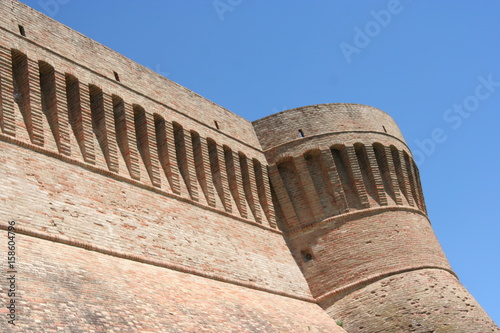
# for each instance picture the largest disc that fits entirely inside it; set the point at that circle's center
(433, 66)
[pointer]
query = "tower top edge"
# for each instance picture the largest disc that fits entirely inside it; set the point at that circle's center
(321, 106)
(317, 120)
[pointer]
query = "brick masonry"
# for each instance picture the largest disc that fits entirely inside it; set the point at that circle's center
(349, 202)
(145, 207)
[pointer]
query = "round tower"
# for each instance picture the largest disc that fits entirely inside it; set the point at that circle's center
(348, 198)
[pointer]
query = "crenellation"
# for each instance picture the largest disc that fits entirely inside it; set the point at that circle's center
(295, 191)
(202, 166)
(419, 186)
(373, 228)
(46, 86)
(7, 115)
(250, 187)
(289, 220)
(401, 175)
(265, 192)
(406, 177)
(411, 180)
(333, 181)
(184, 152)
(306, 184)
(394, 180)
(84, 112)
(367, 174)
(144, 133)
(217, 171)
(224, 179)
(375, 175)
(126, 137)
(319, 174)
(354, 170)
(21, 97)
(235, 179)
(165, 139)
(32, 103)
(61, 108)
(96, 105)
(105, 103)
(342, 164)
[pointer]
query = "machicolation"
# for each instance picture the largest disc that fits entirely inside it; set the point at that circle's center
(147, 208)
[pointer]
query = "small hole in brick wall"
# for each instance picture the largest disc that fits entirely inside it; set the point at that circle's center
(117, 77)
(301, 133)
(216, 124)
(21, 30)
(384, 129)
(306, 255)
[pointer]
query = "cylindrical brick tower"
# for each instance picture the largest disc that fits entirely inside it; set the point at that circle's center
(348, 198)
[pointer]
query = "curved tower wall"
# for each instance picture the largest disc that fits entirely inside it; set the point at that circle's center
(348, 198)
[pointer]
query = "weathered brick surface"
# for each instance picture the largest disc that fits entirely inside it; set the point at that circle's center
(114, 123)
(354, 248)
(426, 300)
(352, 211)
(145, 207)
(45, 194)
(68, 289)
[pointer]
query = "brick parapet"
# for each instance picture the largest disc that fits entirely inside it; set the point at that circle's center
(121, 178)
(169, 99)
(81, 56)
(109, 126)
(288, 126)
(327, 140)
(371, 165)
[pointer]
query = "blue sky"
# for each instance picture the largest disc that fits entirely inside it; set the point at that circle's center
(433, 66)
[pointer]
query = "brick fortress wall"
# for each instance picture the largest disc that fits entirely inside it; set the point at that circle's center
(349, 201)
(140, 205)
(124, 199)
